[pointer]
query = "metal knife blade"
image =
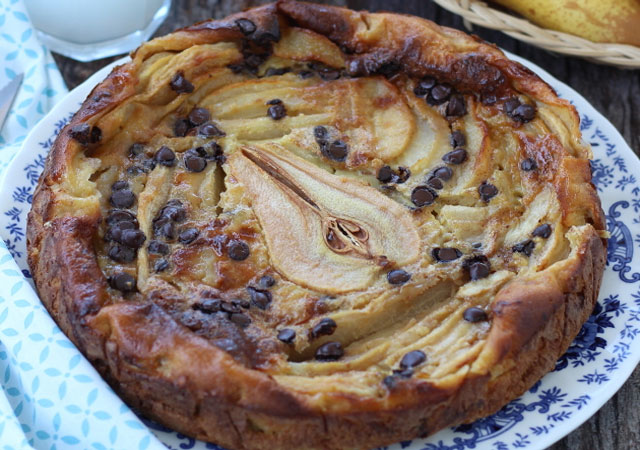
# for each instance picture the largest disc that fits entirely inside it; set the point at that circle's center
(7, 94)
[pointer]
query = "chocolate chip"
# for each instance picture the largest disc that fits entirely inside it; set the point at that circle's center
(390, 381)
(385, 174)
(210, 130)
(435, 183)
(331, 351)
(524, 113)
(329, 74)
(275, 101)
(120, 184)
(163, 226)
(277, 111)
(478, 267)
(121, 215)
(275, 71)
(132, 238)
(123, 282)
(245, 26)
(457, 156)
(336, 151)
(193, 161)
(267, 281)
(542, 231)
(165, 156)
(488, 99)
(122, 254)
(475, 314)
(456, 107)
(287, 335)
(122, 198)
(304, 74)
(457, 139)
(198, 116)
(161, 265)
(321, 133)
(208, 305)
(242, 320)
(446, 254)
(260, 299)
(444, 173)
(180, 127)
(412, 359)
(324, 327)
(174, 211)
(230, 307)
(117, 229)
(238, 250)
(85, 134)
(424, 86)
(188, 235)
(525, 247)
(180, 84)
(423, 196)
(403, 175)
(136, 150)
(398, 276)
(439, 94)
(511, 104)
(158, 248)
(528, 164)
(487, 191)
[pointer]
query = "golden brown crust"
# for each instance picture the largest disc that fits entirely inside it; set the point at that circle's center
(186, 382)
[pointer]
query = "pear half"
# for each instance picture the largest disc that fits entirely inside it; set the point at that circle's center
(325, 232)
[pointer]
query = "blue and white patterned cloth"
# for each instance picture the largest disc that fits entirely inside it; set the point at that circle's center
(51, 398)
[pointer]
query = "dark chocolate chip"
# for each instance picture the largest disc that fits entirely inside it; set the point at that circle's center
(525, 247)
(238, 250)
(275, 101)
(174, 211)
(164, 227)
(121, 215)
(277, 111)
(542, 231)
(304, 74)
(487, 191)
(132, 238)
(275, 71)
(329, 74)
(324, 327)
(424, 86)
(390, 381)
(528, 164)
(136, 150)
(122, 198)
(403, 175)
(457, 156)
(412, 359)
(246, 304)
(116, 230)
(331, 351)
(524, 113)
(398, 276)
(242, 320)
(120, 184)
(444, 173)
(260, 299)
(161, 265)
(478, 267)
(246, 26)
(193, 161)
(511, 104)
(321, 133)
(456, 107)
(85, 134)
(188, 235)
(123, 282)
(287, 335)
(158, 248)
(385, 174)
(210, 130)
(446, 254)
(475, 314)
(230, 307)
(439, 94)
(423, 196)
(488, 99)
(457, 139)
(267, 281)
(165, 156)
(180, 84)
(336, 151)
(180, 127)
(435, 183)
(122, 254)
(198, 116)
(208, 305)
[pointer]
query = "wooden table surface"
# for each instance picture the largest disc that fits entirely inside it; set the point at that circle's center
(613, 92)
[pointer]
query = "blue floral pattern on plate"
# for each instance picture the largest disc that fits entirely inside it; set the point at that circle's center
(597, 363)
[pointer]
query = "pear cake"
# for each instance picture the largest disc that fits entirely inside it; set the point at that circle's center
(304, 227)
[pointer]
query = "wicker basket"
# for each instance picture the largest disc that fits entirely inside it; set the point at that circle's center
(479, 13)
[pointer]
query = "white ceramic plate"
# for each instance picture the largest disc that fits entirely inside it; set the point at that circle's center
(599, 361)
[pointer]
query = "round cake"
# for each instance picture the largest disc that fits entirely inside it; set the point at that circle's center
(305, 227)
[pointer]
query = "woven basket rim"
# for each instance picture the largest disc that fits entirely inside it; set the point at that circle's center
(479, 13)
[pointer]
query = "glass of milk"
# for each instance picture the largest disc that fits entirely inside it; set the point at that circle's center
(92, 29)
